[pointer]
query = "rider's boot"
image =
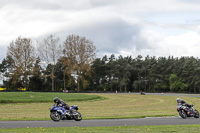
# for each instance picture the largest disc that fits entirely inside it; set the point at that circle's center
(66, 113)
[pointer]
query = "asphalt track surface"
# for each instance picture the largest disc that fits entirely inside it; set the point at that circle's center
(106, 122)
(99, 123)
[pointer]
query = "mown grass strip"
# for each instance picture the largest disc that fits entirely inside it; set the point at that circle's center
(115, 129)
(38, 97)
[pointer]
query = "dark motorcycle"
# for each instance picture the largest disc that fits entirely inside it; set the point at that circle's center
(60, 113)
(185, 111)
(142, 93)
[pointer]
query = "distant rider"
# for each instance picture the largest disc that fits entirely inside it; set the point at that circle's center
(58, 102)
(142, 93)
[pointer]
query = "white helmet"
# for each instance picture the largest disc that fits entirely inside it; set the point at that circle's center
(178, 99)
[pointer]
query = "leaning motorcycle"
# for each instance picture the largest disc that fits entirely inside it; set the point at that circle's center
(185, 111)
(60, 113)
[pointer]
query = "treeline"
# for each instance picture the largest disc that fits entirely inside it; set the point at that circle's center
(71, 65)
(51, 66)
(149, 74)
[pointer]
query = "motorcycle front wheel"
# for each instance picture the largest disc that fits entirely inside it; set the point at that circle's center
(196, 114)
(77, 116)
(55, 116)
(183, 114)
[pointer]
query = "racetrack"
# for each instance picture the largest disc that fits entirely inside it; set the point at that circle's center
(105, 123)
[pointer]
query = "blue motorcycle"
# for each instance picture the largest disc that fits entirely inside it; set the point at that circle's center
(60, 113)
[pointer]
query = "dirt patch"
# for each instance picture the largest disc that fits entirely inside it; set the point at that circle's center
(31, 96)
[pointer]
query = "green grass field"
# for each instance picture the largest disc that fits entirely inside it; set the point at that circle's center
(35, 106)
(91, 106)
(38, 97)
(115, 129)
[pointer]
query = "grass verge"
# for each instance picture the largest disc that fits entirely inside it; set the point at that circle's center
(116, 129)
(38, 97)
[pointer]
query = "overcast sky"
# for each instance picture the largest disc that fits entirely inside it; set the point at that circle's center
(120, 27)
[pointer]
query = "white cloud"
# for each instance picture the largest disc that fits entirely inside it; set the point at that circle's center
(145, 27)
(186, 44)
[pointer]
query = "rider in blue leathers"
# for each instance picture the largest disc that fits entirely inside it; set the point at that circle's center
(58, 102)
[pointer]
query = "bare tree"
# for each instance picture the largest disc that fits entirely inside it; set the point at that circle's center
(22, 54)
(50, 51)
(80, 53)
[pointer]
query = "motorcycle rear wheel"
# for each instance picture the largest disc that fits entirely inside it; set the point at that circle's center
(55, 116)
(183, 114)
(77, 116)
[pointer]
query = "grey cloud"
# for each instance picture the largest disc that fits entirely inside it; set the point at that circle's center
(112, 36)
(47, 5)
(97, 3)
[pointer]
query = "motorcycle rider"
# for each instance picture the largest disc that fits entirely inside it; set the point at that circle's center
(142, 93)
(182, 102)
(58, 102)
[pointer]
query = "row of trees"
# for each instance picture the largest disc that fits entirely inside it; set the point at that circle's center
(71, 65)
(149, 74)
(35, 68)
